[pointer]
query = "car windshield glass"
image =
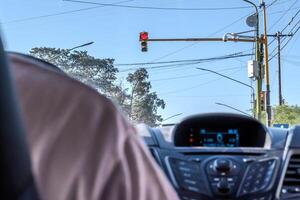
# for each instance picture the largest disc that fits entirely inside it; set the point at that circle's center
(161, 61)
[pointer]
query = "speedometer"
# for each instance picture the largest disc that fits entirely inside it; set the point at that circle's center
(214, 138)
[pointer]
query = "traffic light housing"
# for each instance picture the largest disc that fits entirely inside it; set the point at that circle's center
(143, 40)
(144, 46)
(262, 98)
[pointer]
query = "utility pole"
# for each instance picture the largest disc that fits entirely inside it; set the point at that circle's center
(257, 103)
(279, 69)
(278, 35)
(266, 59)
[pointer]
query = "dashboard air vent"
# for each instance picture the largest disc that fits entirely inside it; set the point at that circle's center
(291, 183)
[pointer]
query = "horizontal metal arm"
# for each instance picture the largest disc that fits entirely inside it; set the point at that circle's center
(203, 40)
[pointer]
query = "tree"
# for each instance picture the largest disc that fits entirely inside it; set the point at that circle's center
(98, 73)
(144, 105)
(286, 114)
(137, 102)
(120, 95)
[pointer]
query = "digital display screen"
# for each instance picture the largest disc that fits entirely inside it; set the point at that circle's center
(209, 138)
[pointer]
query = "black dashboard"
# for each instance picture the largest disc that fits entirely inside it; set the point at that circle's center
(220, 130)
(228, 156)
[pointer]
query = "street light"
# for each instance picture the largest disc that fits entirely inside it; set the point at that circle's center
(82, 45)
(73, 48)
(232, 79)
(238, 35)
(222, 104)
(257, 17)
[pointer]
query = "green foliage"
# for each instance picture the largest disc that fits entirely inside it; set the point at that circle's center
(98, 73)
(286, 114)
(140, 103)
(144, 104)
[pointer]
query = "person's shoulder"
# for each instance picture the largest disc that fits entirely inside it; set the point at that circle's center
(52, 86)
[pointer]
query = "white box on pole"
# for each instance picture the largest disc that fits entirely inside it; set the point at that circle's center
(252, 69)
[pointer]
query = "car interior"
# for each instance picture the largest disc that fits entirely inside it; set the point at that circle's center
(250, 161)
(211, 156)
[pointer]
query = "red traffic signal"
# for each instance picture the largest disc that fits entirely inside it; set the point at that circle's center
(143, 39)
(143, 36)
(262, 96)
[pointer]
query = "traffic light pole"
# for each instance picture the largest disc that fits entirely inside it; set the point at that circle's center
(256, 104)
(259, 78)
(266, 59)
(278, 35)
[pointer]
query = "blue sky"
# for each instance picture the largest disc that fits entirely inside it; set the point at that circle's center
(115, 33)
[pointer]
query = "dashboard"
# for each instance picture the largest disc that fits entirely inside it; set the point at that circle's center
(228, 156)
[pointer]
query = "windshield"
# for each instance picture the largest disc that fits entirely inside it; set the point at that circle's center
(161, 61)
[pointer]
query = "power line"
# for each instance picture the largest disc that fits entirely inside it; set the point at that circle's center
(172, 69)
(185, 64)
(192, 75)
(284, 28)
(193, 44)
(290, 38)
(219, 30)
(208, 96)
(282, 11)
(282, 16)
(59, 13)
(273, 2)
(75, 11)
(291, 21)
(158, 8)
(180, 61)
(195, 86)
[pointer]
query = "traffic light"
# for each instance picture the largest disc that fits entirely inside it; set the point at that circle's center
(144, 46)
(143, 40)
(262, 97)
